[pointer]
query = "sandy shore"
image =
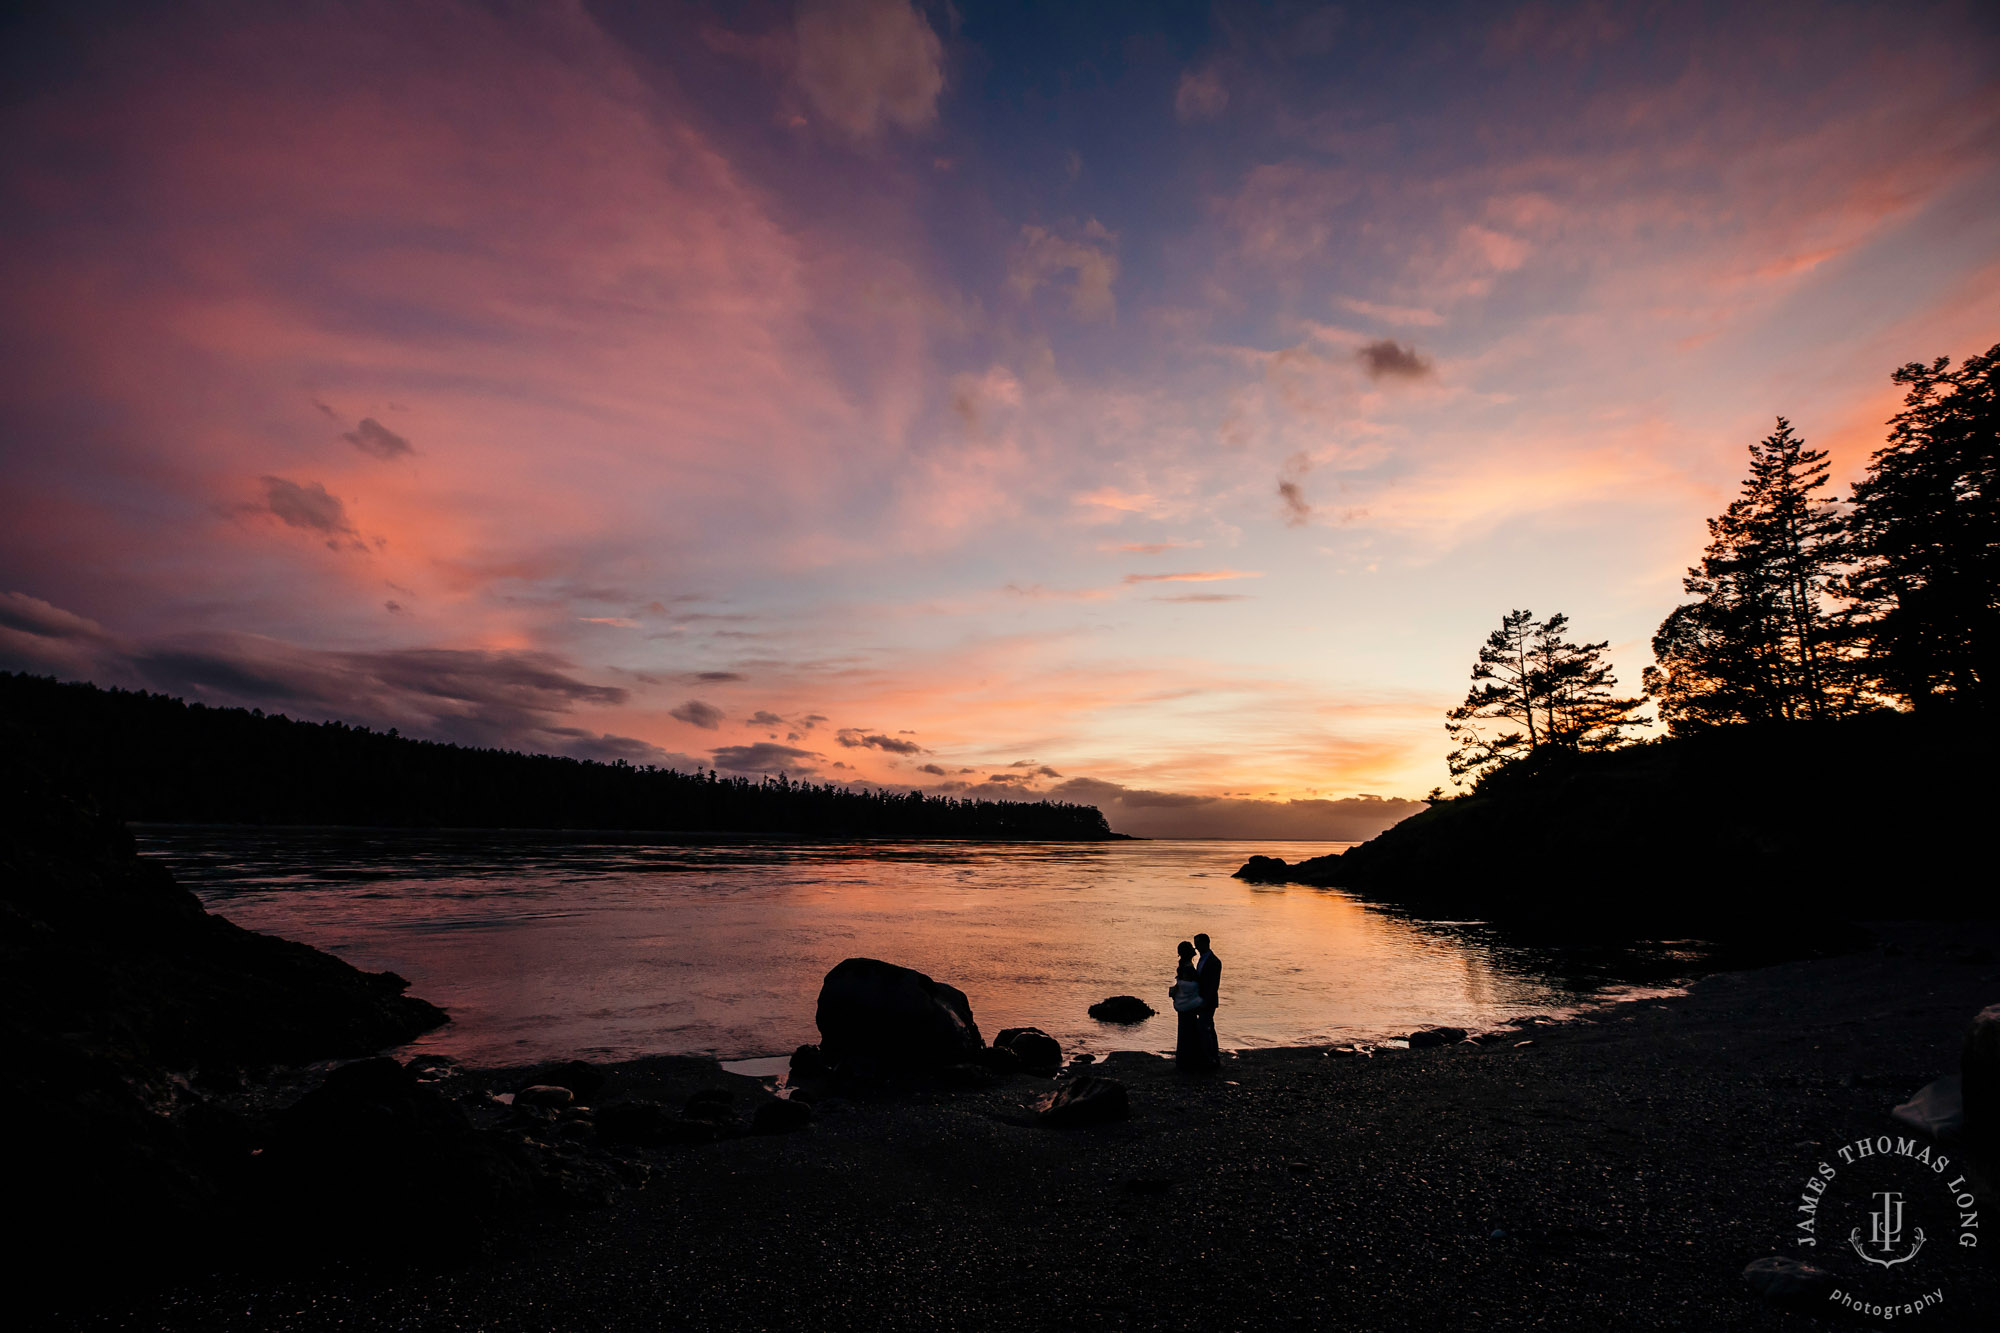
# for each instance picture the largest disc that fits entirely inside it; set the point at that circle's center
(1633, 1161)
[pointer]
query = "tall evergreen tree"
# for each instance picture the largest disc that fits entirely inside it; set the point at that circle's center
(1761, 642)
(1926, 535)
(1555, 693)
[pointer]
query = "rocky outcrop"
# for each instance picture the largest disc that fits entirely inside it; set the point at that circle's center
(1124, 1008)
(128, 1012)
(1087, 1099)
(1266, 870)
(1713, 832)
(873, 1013)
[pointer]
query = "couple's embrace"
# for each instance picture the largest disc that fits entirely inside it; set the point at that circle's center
(1197, 984)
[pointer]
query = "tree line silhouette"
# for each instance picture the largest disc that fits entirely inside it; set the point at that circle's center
(1804, 608)
(153, 757)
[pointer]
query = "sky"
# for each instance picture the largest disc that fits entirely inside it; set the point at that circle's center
(1151, 405)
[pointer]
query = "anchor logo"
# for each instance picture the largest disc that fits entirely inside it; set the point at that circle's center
(1885, 1231)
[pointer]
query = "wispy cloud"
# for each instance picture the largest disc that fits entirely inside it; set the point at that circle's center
(1086, 261)
(869, 65)
(372, 437)
(1200, 96)
(309, 507)
(697, 713)
(856, 738)
(1195, 576)
(1387, 359)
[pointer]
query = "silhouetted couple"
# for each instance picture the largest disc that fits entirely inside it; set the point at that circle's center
(1196, 991)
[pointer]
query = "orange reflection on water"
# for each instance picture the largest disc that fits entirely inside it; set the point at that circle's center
(558, 945)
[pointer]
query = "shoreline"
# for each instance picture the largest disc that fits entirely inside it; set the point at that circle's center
(1618, 1171)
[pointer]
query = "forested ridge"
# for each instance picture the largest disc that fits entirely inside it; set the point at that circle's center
(1830, 694)
(1806, 607)
(153, 757)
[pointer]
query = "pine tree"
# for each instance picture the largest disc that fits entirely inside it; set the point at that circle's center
(1507, 694)
(1761, 643)
(1926, 535)
(1575, 686)
(1560, 695)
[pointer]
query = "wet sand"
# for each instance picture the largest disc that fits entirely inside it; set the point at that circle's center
(1634, 1160)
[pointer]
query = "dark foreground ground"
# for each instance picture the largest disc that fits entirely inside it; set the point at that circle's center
(1634, 1162)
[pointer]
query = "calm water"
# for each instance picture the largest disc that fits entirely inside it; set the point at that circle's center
(546, 945)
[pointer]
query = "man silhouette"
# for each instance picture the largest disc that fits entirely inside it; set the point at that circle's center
(1208, 976)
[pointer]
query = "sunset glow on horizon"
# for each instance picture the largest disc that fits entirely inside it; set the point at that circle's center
(1147, 406)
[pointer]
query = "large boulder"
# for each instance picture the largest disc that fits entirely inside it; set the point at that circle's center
(1084, 1100)
(1122, 1009)
(872, 1012)
(1038, 1052)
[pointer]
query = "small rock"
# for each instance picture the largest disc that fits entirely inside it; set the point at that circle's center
(1979, 1081)
(1937, 1109)
(965, 1077)
(808, 1061)
(1788, 1281)
(1038, 1051)
(649, 1123)
(712, 1106)
(544, 1094)
(1084, 1100)
(1436, 1036)
(1085, 1059)
(1519, 1044)
(1000, 1059)
(579, 1076)
(1122, 1009)
(780, 1117)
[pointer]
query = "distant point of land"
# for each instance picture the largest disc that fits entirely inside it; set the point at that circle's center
(150, 757)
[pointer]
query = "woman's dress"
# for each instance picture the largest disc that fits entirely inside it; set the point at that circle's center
(1193, 1048)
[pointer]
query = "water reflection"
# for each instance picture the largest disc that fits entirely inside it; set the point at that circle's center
(545, 945)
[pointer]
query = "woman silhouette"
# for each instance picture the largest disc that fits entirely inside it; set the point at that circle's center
(1191, 1045)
